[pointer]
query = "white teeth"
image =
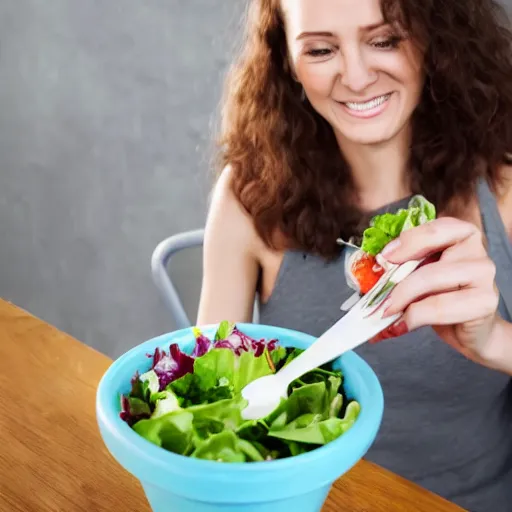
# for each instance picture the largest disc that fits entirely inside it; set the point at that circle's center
(369, 104)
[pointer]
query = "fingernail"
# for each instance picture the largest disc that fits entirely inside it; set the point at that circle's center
(391, 247)
(385, 308)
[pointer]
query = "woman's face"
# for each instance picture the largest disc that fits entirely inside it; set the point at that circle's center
(356, 71)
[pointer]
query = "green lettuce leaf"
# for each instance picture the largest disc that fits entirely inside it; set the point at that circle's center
(279, 357)
(224, 330)
(228, 412)
(215, 365)
(249, 368)
(185, 387)
(374, 240)
(426, 208)
(313, 429)
(226, 447)
(308, 399)
(309, 429)
(143, 386)
(166, 402)
(172, 431)
(390, 223)
(220, 374)
(388, 226)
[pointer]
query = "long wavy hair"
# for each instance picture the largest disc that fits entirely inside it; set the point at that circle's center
(286, 166)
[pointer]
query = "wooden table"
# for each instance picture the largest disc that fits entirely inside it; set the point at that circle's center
(52, 458)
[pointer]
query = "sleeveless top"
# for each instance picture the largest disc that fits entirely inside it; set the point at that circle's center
(447, 422)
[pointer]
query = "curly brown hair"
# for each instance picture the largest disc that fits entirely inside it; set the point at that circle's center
(286, 166)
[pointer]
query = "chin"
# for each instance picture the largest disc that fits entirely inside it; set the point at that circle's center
(369, 137)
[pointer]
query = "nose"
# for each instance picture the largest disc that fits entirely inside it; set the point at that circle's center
(356, 74)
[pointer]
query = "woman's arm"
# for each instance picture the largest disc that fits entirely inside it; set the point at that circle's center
(230, 265)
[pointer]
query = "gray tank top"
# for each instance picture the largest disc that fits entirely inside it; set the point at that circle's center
(447, 423)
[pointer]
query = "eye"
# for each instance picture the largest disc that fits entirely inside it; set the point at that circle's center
(319, 52)
(387, 44)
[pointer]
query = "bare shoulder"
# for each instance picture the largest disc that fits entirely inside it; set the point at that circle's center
(228, 220)
(230, 258)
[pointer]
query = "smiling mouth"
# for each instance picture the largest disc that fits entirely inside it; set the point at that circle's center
(366, 105)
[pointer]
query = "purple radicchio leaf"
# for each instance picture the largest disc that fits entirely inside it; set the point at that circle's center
(172, 366)
(203, 345)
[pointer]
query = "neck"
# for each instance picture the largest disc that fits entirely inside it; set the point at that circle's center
(379, 171)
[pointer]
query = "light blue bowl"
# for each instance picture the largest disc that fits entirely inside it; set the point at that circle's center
(174, 483)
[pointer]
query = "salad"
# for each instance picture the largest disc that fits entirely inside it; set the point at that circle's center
(364, 266)
(192, 404)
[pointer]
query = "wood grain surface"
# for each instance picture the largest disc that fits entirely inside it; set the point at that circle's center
(52, 458)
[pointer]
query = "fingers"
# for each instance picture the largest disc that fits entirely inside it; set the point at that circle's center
(454, 288)
(442, 276)
(437, 235)
(451, 308)
(470, 248)
(467, 306)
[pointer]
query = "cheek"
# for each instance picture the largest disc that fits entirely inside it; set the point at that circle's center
(408, 75)
(414, 85)
(412, 75)
(411, 71)
(318, 80)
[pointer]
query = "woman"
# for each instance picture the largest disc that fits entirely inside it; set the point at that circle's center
(336, 110)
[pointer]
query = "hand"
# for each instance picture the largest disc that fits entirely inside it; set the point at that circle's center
(456, 293)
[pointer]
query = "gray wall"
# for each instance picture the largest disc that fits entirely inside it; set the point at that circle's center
(105, 139)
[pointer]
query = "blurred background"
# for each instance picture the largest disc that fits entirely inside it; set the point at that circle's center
(106, 117)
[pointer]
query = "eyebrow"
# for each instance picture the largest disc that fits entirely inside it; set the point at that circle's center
(367, 28)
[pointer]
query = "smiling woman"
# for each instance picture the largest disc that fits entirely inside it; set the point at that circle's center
(361, 69)
(335, 112)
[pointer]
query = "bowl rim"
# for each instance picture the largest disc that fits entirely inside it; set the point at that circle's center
(362, 432)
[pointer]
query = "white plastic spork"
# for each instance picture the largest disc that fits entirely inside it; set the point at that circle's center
(360, 324)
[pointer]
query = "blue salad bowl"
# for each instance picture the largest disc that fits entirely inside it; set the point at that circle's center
(175, 483)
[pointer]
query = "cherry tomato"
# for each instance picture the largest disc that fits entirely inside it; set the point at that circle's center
(367, 272)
